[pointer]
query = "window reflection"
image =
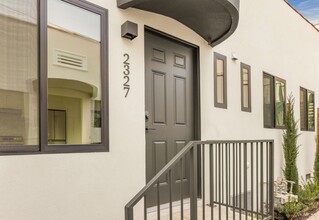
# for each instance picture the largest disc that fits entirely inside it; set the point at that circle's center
(311, 109)
(280, 97)
(74, 73)
(245, 88)
(57, 126)
(220, 81)
(303, 118)
(268, 107)
(19, 122)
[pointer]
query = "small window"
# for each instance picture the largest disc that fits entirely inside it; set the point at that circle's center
(274, 101)
(245, 88)
(307, 110)
(220, 81)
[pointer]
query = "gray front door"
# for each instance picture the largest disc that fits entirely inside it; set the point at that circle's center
(169, 110)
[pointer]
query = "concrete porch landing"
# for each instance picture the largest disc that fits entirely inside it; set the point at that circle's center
(152, 212)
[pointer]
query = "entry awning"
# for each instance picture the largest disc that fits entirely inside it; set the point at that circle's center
(214, 20)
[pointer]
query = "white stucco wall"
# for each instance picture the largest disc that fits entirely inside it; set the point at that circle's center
(270, 37)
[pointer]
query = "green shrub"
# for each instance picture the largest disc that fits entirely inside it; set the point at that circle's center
(289, 210)
(290, 147)
(293, 209)
(310, 192)
(316, 164)
(308, 200)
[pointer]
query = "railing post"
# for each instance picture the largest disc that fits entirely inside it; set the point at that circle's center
(129, 215)
(193, 182)
(271, 179)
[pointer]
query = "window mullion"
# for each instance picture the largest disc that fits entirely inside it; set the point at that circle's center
(43, 76)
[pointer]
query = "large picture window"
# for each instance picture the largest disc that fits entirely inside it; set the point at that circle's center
(71, 51)
(274, 101)
(307, 110)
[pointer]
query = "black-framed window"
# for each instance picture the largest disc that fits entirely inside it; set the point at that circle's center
(220, 80)
(307, 110)
(274, 101)
(54, 96)
(245, 87)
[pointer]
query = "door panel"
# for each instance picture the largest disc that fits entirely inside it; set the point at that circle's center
(169, 107)
(159, 98)
(160, 157)
(180, 101)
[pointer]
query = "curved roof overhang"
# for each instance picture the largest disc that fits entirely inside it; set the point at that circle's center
(214, 20)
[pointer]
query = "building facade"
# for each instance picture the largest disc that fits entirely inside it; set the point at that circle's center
(90, 143)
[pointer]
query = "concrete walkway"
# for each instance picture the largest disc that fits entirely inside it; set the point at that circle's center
(314, 216)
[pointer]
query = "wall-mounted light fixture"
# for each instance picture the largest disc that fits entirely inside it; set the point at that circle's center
(234, 56)
(129, 30)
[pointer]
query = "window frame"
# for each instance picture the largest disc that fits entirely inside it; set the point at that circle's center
(306, 108)
(242, 67)
(44, 147)
(218, 56)
(273, 100)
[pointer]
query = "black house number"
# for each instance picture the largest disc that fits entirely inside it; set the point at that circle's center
(126, 72)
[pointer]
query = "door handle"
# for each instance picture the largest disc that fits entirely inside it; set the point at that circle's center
(147, 116)
(150, 129)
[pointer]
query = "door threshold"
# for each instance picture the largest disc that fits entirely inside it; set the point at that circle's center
(166, 206)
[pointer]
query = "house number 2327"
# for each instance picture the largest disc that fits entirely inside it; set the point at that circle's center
(126, 72)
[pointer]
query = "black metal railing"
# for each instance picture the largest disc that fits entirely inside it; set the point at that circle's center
(225, 179)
